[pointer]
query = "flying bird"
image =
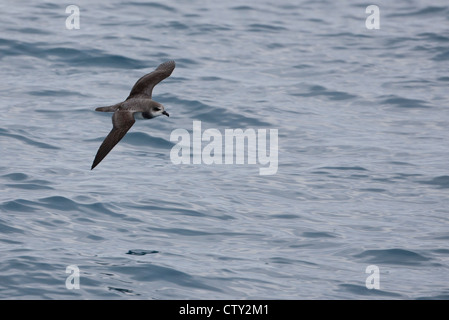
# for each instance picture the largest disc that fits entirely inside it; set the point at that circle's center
(138, 105)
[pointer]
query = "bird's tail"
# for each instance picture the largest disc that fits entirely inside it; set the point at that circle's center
(108, 108)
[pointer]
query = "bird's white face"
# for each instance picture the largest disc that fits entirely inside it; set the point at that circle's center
(158, 110)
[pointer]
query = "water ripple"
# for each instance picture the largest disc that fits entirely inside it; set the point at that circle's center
(27, 140)
(72, 56)
(441, 182)
(405, 102)
(395, 257)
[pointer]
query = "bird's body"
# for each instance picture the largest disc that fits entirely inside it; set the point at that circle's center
(138, 105)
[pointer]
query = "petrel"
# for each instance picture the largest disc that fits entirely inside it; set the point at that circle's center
(138, 105)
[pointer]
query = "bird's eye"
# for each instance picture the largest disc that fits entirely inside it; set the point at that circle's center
(157, 109)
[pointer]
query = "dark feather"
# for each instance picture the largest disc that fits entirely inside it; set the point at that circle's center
(122, 121)
(144, 86)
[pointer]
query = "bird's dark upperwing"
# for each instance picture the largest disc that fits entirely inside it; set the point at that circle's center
(144, 86)
(122, 121)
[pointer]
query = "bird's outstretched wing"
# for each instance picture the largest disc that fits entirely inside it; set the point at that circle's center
(122, 121)
(144, 86)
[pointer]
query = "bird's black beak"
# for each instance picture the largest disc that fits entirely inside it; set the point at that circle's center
(166, 113)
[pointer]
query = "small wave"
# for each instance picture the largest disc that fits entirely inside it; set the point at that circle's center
(27, 140)
(317, 90)
(285, 216)
(143, 139)
(150, 272)
(164, 206)
(153, 5)
(18, 205)
(431, 36)
(28, 186)
(18, 176)
(378, 190)
(442, 56)
(344, 35)
(394, 257)
(71, 56)
(318, 235)
(440, 182)
(65, 204)
(442, 296)
(209, 28)
(401, 163)
(217, 115)
(357, 168)
(242, 8)
(105, 60)
(5, 228)
(282, 260)
(405, 102)
(32, 31)
(364, 291)
(183, 232)
(176, 25)
(22, 181)
(258, 27)
(54, 93)
(428, 11)
(60, 203)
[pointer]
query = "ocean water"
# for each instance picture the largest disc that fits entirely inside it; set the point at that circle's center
(363, 151)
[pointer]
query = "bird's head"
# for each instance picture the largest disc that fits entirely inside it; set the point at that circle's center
(157, 109)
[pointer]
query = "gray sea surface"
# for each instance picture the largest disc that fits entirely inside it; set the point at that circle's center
(363, 151)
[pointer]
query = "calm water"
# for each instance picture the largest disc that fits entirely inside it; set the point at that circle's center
(363, 179)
